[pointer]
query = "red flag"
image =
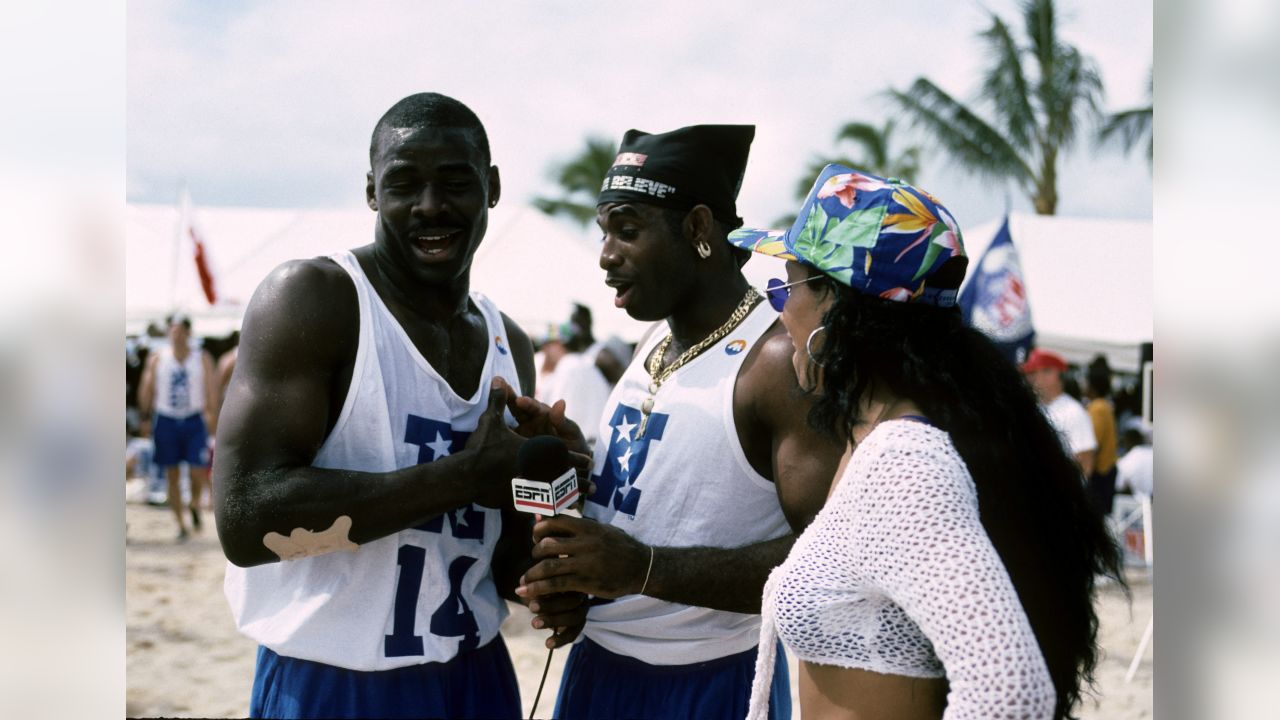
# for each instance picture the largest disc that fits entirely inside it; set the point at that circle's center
(202, 267)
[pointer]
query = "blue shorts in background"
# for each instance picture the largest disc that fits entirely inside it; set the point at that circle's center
(180, 440)
(478, 684)
(601, 684)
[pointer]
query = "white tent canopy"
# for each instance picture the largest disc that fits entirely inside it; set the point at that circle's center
(533, 267)
(1088, 282)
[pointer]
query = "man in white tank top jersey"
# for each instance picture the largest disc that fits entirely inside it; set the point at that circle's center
(705, 468)
(178, 384)
(365, 454)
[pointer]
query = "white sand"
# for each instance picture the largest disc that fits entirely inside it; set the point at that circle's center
(185, 659)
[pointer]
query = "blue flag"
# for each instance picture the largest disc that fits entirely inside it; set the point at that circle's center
(995, 300)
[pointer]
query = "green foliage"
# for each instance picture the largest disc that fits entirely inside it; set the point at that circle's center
(579, 179)
(1038, 91)
(1128, 127)
(877, 156)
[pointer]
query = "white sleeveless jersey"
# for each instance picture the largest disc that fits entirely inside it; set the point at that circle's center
(686, 482)
(179, 386)
(424, 594)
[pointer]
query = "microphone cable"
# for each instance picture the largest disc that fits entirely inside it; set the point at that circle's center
(533, 711)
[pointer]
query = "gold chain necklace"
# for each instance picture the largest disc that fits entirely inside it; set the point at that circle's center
(661, 374)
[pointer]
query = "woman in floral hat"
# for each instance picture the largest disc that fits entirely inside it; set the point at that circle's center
(951, 573)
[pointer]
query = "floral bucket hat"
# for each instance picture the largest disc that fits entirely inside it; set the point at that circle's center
(879, 236)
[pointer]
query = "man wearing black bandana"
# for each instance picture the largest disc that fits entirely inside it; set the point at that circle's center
(705, 467)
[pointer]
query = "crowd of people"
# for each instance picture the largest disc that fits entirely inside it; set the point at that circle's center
(837, 465)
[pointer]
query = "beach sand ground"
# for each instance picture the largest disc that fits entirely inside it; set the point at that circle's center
(184, 657)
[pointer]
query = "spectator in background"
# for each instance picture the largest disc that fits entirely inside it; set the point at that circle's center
(179, 387)
(567, 373)
(1135, 471)
(549, 349)
(1097, 390)
(611, 356)
(1043, 370)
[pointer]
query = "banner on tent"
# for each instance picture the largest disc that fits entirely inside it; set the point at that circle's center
(995, 300)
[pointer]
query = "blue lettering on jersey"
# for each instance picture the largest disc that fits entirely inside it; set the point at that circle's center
(435, 440)
(180, 389)
(615, 485)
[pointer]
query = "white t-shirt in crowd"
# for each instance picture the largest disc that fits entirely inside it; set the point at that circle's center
(1136, 470)
(582, 386)
(1073, 424)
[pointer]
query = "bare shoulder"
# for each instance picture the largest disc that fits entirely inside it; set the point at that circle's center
(302, 306)
(768, 377)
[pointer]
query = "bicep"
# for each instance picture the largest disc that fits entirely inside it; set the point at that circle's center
(804, 461)
(804, 465)
(277, 407)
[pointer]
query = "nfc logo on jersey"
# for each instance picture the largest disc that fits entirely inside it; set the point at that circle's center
(435, 440)
(615, 485)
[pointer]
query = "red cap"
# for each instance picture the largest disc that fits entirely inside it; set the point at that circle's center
(1040, 359)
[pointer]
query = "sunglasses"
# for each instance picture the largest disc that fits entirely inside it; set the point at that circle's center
(778, 293)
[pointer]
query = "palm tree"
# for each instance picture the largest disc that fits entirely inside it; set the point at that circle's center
(1129, 126)
(1036, 115)
(876, 158)
(580, 178)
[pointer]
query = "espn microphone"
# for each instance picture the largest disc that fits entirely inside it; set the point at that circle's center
(547, 484)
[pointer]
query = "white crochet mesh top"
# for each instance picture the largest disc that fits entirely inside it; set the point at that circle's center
(897, 575)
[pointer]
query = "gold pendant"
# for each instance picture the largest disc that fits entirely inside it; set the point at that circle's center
(645, 408)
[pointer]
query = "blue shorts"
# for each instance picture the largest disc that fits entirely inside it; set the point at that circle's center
(478, 684)
(601, 684)
(180, 441)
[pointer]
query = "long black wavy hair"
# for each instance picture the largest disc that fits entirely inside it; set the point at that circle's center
(1031, 494)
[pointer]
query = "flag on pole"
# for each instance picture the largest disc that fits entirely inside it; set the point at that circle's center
(203, 267)
(995, 300)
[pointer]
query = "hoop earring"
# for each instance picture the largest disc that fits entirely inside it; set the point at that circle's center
(808, 344)
(704, 249)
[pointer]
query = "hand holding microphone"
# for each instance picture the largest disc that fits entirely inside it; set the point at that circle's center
(547, 486)
(575, 555)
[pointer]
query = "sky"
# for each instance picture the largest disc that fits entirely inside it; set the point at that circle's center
(270, 104)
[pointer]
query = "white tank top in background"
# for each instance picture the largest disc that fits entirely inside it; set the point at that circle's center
(424, 594)
(685, 483)
(179, 388)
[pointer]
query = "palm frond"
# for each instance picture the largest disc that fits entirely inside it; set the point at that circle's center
(1128, 128)
(969, 139)
(583, 173)
(579, 179)
(579, 212)
(1005, 86)
(872, 139)
(1040, 23)
(1073, 96)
